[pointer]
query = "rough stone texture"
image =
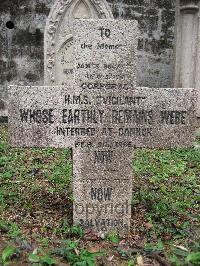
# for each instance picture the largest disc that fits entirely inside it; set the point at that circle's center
(105, 54)
(156, 21)
(58, 39)
(3, 111)
(22, 51)
(187, 63)
(162, 118)
(104, 206)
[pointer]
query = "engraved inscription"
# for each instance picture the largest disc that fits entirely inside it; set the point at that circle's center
(103, 157)
(101, 194)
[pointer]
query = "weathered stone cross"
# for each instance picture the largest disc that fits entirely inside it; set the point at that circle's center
(103, 116)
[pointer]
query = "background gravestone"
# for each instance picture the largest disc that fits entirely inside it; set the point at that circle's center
(58, 38)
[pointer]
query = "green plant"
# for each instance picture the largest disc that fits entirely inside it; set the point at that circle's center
(125, 254)
(181, 256)
(113, 237)
(77, 230)
(131, 263)
(149, 247)
(69, 231)
(44, 241)
(11, 229)
(39, 258)
(75, 256)
(184, 258)
(14, 230)
(8, 253)
(193, 258)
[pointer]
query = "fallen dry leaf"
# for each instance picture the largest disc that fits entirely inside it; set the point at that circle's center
(97, 248)
(77, 251)
(110, 258)
(90, 236)
(181, 247)
(140, 261)
(148, 226)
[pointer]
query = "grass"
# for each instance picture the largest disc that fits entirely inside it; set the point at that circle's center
(33, 176)
(36, 210)
(170, 190)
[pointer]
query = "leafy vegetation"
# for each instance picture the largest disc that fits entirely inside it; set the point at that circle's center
(36, 210)
(8, 253)
(113, 238)
(69, 251)
(39, 258)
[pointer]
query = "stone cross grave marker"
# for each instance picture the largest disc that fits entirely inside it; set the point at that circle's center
(103, 117)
